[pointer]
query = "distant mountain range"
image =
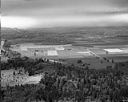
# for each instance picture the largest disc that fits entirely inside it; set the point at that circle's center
(5, 30)
(10, 31)
(64, 35)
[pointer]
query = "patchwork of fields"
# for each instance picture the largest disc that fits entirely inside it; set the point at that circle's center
(69, 51)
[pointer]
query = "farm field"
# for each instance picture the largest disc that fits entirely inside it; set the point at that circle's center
(71, 43)
(97, 57)
(69, 51)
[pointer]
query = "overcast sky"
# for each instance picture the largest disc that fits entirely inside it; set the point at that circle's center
(54, 13)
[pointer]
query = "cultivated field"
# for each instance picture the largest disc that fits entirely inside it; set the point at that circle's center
(83, 43)
(96, 57)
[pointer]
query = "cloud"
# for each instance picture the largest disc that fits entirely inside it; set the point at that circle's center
(54, 12)
(20, 22)
(102, 20)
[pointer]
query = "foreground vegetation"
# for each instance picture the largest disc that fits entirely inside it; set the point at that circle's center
(67, 83)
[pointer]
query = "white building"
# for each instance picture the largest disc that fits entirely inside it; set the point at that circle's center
(114, 51)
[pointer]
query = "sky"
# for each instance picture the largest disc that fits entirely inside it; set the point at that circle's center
(63, 13)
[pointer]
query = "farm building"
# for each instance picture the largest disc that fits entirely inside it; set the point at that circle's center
(115, 51)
